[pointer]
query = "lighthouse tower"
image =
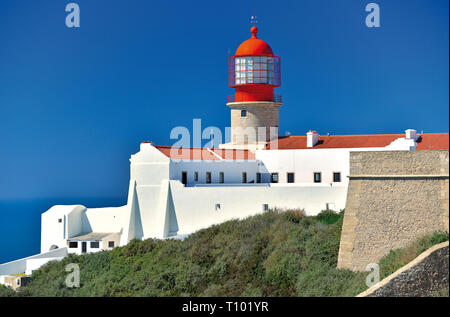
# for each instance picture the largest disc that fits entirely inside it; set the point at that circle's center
(254, 72)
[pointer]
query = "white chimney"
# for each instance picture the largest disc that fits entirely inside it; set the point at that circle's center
(311, 138)
(411, 134)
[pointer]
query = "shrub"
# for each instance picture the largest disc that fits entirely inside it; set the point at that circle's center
(328, 217)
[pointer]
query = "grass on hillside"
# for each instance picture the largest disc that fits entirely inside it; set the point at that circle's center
(272, 254)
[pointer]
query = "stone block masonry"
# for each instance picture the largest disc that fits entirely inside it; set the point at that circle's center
(393, 199)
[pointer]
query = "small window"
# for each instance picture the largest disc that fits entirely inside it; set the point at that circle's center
(274, 178)
(208, 177)
(330, 206)
(18, 281)
(221, 177)
(265, 207)
(317, 177)
(258, 178)
(73, 245)
(184, 177)
(244, 177)
(95, 245)
(218, 207)
(196, 177)
(336, 177)
(110, 244)
(290, 178)
(59, 220)
(243, 113)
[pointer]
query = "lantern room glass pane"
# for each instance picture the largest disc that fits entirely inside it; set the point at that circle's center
(254, 70)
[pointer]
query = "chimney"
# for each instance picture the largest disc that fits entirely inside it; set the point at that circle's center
(311, 138)
(411, 134)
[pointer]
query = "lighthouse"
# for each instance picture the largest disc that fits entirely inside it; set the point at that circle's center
(254, 72)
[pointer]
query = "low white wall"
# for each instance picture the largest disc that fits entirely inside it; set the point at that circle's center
(195, 207)
(20, 266)
(34, 264)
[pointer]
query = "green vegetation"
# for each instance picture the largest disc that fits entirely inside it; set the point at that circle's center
(272, 254)
(400, 257)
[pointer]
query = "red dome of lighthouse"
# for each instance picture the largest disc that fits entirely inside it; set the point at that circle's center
(254, 46)
(254, 71)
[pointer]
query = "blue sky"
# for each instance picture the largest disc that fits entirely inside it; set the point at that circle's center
(75, 103)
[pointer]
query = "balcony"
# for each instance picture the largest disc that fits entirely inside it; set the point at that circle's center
(276, 98)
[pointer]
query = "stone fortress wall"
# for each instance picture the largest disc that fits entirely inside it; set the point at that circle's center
(393, 199)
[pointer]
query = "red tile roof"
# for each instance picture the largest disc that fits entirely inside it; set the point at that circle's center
(428, 141)
(204, 154)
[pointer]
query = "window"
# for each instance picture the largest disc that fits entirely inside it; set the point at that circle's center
(243, 113)
(217, 207)
(336, 177)
(95, 245)
(244, 177)
(330, 206)
(196, 176)
(258, 177)
(274, 178)
(221, 177)
(290, 178)
(184, 177)
(110, 244)
(73, 245)
(265, 207)
(208, 177)
(59, 220)
(317, 177)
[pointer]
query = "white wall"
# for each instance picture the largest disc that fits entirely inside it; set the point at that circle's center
(34, 264)
(194, 207)
(305, 162)
(232, 171)
(56, 233)
(109, 219)
(78, 249)
(20, 266)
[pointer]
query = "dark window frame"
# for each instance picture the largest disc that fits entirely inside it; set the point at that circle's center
(184, 177)
(73, 244)
(221, 177)
(208, 179)
(320, 177)
(334, 177)
(243, 113)
(293, 177)
(95, 245)
(272, 178)
(258, 178)
(110, 244)
(244, 177)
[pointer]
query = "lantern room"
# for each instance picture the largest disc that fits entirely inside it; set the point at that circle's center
(254, 71)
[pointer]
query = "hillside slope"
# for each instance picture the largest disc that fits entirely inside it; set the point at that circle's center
(273, 254)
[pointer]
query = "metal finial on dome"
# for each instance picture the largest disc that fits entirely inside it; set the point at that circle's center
(254, 29)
